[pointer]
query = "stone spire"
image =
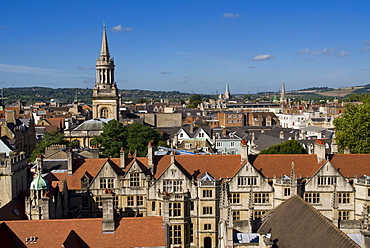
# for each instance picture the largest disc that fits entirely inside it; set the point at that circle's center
(104, 44)
(227, 92)
(283, 99)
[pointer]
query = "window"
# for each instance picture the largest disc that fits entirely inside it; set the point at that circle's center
(191, 232)
(343, 198)
(343, 215)
(104, 112)
(326, 180)
(106, 183)
(312, 198)
(139, 200)
(181, 135)
(191, 205)
(207, 193)
(234, 198)
(85, 182)
(245, 181)
(286, 191)
(153, 205)
(201, 135)
(172, 186)
(175, 234)
(229, 121)
(134, 179)
(261, 198)
(207, 210)
(130, 201)
(258, 214)
(175, 209)
(236, 215)
(116, 200)
(218, 144)
(239, 116)
(207, 226)
(232, 144)
(98, 201)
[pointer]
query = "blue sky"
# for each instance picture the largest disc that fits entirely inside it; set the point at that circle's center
(191, 46)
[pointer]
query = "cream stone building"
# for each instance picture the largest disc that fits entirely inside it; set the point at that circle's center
(207, 200)
(105, 99)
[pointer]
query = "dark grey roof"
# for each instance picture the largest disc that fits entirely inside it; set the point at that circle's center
(265, 141)
(295, 223)
(92, 125)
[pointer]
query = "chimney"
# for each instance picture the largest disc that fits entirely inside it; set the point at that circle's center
(214, 139)
(94, 151)
(122, 159)
(172, 157)
(347, 150)
(244, 150)
(224, 132)
(10, 116)
(281, 136)
(319, 149)
(150, 155)
(108, 222)
(176, 140)
(304, 135)
(70, 161)
(191, 127)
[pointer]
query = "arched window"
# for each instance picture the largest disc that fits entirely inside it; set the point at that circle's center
(104, 113)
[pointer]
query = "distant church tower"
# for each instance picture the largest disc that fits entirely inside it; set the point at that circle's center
(283, 99)
(227, 92)
(105, 100)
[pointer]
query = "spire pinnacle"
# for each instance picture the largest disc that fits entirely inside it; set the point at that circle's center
(104, 43)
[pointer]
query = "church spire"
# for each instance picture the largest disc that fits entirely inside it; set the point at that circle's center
(104, 44)
(227, 92)
(283, 99)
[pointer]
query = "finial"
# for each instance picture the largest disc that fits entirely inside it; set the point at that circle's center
(104, 24)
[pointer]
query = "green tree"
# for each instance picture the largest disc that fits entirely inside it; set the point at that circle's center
(287, 147)
(134, 137)
(50, 138)
(138, 137)
(352, 128)
(194, 101)
(111, 139)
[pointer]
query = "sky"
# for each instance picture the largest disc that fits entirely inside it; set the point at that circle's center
(192, 46)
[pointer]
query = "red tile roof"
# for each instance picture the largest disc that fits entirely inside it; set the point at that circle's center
(278, 165)
(351, 165)
(131, 232)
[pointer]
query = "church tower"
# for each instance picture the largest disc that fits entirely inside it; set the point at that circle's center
(105, 100)
(227, 92)
(283, 99)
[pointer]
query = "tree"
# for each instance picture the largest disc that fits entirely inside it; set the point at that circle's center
(134, 138)
(138, 137)
(111, 139)
(194, 101)
(352, 128)
(287, 147)
(50, 138)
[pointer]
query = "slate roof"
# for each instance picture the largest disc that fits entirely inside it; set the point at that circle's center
(131, 232)
(295, 223)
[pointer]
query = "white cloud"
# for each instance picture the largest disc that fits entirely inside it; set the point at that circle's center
(231, 15)
(343, 53)
(27, 69)
(263, 57)
(164, 72)
(85, 68)
(324, 51)
(119, 28)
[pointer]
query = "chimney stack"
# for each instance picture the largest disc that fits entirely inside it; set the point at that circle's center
(191, 127)
(150, 155)
(10, 116)
(281, 136)
(108, 222)
(172, 157)
(122, 159)
(70, 161)
(319, 149)
(244, 150)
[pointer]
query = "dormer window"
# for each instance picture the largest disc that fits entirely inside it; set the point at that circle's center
(85, 181)
(181, 135)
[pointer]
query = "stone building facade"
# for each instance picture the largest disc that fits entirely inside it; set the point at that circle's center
(206, 199)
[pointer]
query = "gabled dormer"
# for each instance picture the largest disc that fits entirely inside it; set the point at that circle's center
(182, 134)
(85, 180)
(201, 134)
(107, 177)
(135, 175)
